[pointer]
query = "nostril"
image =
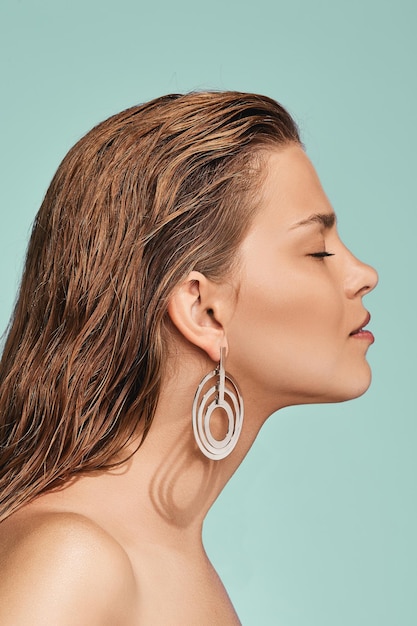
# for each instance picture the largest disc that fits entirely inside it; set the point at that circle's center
(370, 277)
(373, 281)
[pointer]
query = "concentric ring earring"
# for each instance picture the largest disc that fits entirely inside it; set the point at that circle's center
(217, 391)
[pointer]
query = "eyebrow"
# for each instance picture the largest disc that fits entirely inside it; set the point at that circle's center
(326, 220)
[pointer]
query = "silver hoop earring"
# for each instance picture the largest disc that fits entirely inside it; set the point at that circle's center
(223, 393)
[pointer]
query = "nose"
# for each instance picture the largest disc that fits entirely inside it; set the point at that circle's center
(360, 278)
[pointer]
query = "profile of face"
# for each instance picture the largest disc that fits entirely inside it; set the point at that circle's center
(296, 332)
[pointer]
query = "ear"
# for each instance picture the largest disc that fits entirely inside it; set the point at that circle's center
(196, 309)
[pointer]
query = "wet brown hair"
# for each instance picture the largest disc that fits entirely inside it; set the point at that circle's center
(144, 198)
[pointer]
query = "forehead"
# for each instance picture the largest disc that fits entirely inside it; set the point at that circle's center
(291, 191)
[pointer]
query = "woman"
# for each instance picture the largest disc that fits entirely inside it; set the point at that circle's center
(177, 240)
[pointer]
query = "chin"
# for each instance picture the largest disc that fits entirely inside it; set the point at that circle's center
(342, 390)
(354, 390)
(338, 389)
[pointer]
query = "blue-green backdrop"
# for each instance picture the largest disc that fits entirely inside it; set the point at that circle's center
(318, 527)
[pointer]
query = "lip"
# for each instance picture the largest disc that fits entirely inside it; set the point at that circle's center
(360, 333)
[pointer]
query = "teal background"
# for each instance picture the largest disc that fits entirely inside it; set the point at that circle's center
(318, 527)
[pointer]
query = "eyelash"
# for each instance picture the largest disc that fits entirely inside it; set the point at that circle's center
(321, 255)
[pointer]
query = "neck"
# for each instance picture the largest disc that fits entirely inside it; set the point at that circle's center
(163, 493)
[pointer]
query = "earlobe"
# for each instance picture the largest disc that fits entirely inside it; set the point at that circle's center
(195, 312)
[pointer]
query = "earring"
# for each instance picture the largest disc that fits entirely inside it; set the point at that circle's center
(218, 396)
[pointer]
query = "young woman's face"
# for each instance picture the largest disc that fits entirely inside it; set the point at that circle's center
(294, 335)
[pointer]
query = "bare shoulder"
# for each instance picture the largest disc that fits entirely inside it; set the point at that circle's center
(62, 569)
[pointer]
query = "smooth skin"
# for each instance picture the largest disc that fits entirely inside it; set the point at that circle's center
(124, 548)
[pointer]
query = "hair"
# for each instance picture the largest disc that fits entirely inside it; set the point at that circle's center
(144, 198)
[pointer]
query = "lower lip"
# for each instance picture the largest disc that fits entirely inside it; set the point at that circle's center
(365, 335)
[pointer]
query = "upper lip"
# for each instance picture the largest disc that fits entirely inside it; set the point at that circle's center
(365, 322)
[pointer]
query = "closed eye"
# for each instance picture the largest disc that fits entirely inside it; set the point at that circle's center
(321, 255)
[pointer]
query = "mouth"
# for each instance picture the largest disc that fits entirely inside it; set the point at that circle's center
(361, 333)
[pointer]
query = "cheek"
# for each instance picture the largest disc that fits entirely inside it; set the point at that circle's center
(309, 305)
(287, 329)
